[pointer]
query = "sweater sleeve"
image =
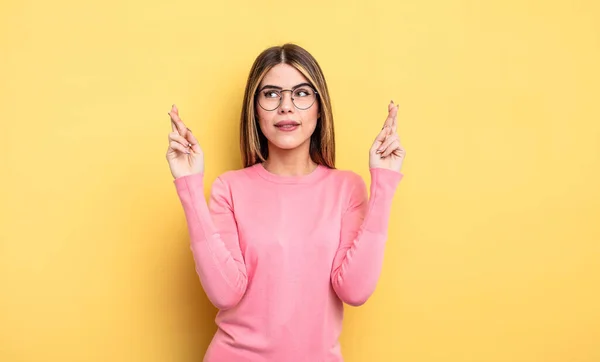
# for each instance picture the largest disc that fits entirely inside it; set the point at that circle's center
(213, 239)
(359, 258)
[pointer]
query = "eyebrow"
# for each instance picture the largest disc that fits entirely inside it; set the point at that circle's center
(277, 87)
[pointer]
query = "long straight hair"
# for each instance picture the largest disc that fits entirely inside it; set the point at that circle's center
(253, 143)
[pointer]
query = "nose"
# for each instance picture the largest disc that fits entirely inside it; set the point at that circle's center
(286, 102)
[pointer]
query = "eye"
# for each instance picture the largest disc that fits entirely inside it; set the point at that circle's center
(271, 94)
(302, 92)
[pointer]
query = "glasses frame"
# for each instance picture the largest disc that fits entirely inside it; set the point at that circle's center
(291, 90)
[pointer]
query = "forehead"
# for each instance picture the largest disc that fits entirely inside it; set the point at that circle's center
(283, 75)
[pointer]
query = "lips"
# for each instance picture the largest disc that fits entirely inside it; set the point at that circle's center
(287, 123)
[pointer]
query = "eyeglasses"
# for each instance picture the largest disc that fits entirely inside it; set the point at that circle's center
(303, 96)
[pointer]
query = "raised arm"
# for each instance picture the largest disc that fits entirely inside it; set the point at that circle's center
(357, 264)
(213, 231)
(359, 258)
(214, 240)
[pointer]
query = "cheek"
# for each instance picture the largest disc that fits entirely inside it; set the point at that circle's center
(263, 119)
(310, 118)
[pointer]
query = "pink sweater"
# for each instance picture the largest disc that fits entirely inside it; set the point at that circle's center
(278, 256)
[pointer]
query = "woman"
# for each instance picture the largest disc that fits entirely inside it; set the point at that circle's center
(287, 239)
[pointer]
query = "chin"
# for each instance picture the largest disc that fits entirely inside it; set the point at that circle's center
(286, 145)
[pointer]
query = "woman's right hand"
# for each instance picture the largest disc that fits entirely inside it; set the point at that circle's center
(184, 155)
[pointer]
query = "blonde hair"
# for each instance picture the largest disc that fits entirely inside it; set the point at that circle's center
(253, 143)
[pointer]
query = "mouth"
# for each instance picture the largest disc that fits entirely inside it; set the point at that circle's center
(287, 125)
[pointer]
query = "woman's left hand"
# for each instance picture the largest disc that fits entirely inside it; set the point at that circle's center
(387, 152)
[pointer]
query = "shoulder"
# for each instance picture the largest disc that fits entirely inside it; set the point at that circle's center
(350, 186)
(224, 186)
(231, 178)
(347, 178)
(231, 175)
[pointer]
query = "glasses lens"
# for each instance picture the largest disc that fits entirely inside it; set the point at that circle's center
(269, 99)
(304, 97)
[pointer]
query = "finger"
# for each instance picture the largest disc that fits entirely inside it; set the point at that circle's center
(391, 114)
(387, 142)
(181, 128)
(173, 126)
(195, 145)
(174, 136)
(177, 146)
(173, 123)
(381, 136)
(391, 148)
(395, 122)
(399, 152)
(179, 125)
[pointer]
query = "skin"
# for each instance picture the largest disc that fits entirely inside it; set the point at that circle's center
(288, 151)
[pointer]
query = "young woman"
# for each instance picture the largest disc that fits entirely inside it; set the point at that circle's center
(287, 239)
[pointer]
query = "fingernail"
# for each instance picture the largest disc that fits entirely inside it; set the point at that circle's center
(189, 145)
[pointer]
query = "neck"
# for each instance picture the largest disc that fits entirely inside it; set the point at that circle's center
(294, 162)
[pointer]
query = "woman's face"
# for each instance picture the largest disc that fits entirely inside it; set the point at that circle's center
(286, 127)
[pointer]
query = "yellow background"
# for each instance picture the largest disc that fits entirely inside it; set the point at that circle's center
(494, 247)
